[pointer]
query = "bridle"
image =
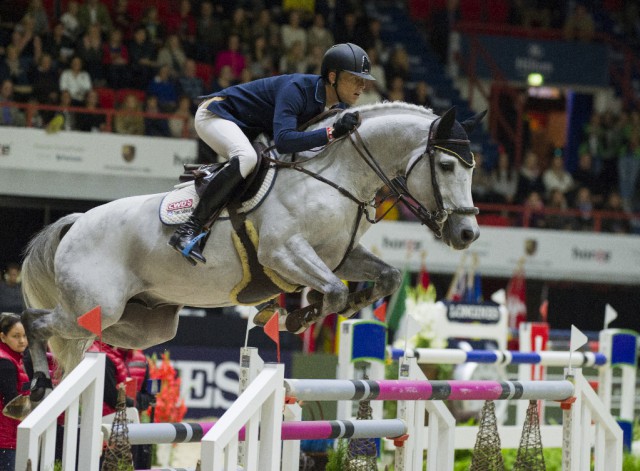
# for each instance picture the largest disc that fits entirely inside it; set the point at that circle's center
(434, 220)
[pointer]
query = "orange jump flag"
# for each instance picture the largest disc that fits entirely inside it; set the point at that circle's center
(272, 329)
(92, 321)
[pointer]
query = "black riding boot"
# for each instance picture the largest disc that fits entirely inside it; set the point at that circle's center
(216, 195)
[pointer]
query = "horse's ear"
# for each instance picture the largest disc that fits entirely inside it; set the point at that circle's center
(470, 124)
(443, 130)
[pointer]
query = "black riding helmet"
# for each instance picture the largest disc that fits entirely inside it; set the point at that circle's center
(347, 57)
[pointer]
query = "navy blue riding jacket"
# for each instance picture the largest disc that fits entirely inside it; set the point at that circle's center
(276, 106)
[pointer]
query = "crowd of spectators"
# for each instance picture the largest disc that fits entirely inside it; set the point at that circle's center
(124, 52)
(159, 57)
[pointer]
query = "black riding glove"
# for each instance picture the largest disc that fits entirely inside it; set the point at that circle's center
(345, 124)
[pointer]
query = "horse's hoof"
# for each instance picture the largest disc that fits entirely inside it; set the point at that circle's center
(299, 320)
(18, 408)
(40, 384)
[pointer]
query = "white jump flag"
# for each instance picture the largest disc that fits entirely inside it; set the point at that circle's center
(610, 315)
(578, 339)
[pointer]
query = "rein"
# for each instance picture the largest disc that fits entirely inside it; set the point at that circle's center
(433, 220)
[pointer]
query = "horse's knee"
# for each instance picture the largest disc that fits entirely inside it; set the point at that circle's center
(390, 279)
(335, 298)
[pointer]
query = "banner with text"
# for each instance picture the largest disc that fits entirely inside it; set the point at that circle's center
(560, 62)
(556, 255)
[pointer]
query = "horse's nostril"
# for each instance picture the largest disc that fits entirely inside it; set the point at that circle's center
(469, 235)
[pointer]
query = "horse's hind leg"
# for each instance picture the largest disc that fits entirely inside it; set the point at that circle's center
(40, 325)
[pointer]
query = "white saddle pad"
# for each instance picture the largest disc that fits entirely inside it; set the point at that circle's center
(177, 205)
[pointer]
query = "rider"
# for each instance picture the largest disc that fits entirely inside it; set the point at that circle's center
(228, 120)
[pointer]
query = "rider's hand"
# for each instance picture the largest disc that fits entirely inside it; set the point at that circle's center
(345, 124)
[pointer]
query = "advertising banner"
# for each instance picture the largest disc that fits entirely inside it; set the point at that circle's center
(549, 254)
(560, 62)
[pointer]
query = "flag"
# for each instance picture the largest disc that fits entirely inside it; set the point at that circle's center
(578, 339)
(272, 329)
(397, 303)
(517, 299)
(544, 310)
(610, 315)
(380, 309)
(92, 321)
(424, 280)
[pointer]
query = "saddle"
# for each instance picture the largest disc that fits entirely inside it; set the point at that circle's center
(176, 206)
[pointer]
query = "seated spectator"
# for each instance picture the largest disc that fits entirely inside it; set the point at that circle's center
(586, 176)
(396, 89)
(231, 57)
(63, 119)
(584, 203)
(378, 72)
(89, 49)
(153, 26)
(209, 34)
(579, 24)
(615, 225)
(293, 32)
(16, 70)
(58, 46)
(123, 20)
(95, 13)
(76, 81)
(44, 78)
(349, 30)
(314, 60)
(629, 160)
(239, 25)
(370, 94)
(28, 43)
(556, 177)
(480, 180)
(173, 55)
(504, 180)
(69, 20)
(190, 84)
(398, 65)
(91, 122)
(129, 120)
(223, 80)
(115, 58)
(319, 35)
(529, 178)
(183, 116)
(184, 26)
(11, 299)
(263, 25)
(294, 61)
(373, 41)
(533, 215)
(154, 125)
(261, 59)
(40, 17)
(557, 200)
(142, 59)
(421, 95)
(162, 87)
(9, 115)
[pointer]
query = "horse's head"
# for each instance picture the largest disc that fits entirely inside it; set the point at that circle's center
(446, 205)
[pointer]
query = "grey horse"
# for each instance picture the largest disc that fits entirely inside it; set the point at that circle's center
(306, 234)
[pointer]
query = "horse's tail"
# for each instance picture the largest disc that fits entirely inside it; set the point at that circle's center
(38, 272)
(39, 288)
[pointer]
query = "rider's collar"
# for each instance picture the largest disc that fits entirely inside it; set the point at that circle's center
(321, 93)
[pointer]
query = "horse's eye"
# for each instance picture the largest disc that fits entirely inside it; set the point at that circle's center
(447, 166)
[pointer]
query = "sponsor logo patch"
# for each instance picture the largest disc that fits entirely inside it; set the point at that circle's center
(182, 204)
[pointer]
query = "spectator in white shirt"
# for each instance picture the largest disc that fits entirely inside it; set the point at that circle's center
(556, 177)
(76, 81)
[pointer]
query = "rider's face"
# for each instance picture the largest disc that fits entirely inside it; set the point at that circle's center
(350, 87)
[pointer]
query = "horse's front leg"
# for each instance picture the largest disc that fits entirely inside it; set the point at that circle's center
(299, 263)
(362, 265)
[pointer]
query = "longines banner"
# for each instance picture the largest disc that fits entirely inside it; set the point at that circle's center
(560, 62)
(549, 254)
(89, 165)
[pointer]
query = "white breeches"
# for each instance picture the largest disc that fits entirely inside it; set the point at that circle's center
(226, 139)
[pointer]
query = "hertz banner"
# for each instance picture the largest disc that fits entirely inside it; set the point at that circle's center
(560, 62)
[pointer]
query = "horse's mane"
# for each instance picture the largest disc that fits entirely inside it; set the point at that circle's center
(387, 107)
